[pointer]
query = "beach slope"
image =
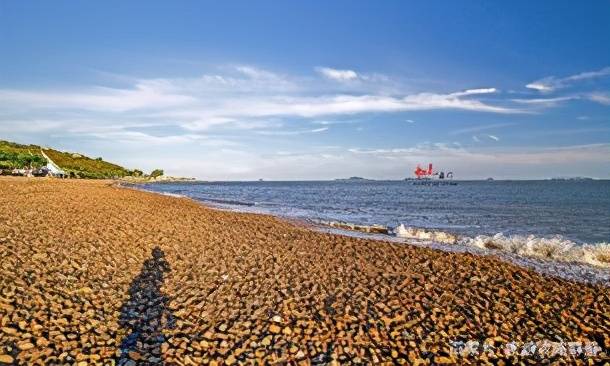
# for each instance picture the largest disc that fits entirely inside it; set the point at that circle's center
(90, 272)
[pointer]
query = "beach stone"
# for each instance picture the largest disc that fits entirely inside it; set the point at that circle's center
(266, 341)
(24, 346)
(9, 330)
(277, 319)
(230, 360)
(260, 353)
(136, 356)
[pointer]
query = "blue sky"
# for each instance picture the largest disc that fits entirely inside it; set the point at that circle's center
(313, 90)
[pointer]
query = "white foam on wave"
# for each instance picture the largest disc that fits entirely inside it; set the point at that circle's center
(176, 195)
(408, 232)
(556, 248)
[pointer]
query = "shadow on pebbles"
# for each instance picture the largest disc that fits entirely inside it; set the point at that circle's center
(146, 314)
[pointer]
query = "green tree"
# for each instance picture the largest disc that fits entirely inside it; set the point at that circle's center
(156, 173)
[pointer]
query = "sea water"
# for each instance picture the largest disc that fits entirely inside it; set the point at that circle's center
(555, 219)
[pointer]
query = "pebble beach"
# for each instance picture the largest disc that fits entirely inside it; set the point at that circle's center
(92, 273)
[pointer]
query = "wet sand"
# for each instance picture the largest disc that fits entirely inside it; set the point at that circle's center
(92, 273)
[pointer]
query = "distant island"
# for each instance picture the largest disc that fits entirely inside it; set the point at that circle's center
(351, 179)
(573, 178)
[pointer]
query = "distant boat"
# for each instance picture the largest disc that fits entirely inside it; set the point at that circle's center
(489, 179)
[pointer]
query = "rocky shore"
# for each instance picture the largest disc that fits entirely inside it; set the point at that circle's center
(91, 273)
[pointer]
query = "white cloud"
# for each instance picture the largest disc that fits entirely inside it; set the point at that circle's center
(540, 86)
(291, 132)
(337, 75)
(494, 137)
(32, 125)
(545, 102)
(397, 163)
(478, 128)
(475, 92)
(424, 101)
(204, 116)
(245, 97)
(256, 73)
(601, 98)
(551, 83)
(589, 75)
(212, 110)
(334, 122)
(142, 95)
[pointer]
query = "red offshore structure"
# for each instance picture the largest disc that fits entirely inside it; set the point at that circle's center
(423, 173)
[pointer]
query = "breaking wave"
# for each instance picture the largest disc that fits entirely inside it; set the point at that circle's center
(422, 234)
(556, 248)
(176, 195)
(228, 202)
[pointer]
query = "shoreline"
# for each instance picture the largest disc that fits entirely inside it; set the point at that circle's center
(93, 272)
(568, 269)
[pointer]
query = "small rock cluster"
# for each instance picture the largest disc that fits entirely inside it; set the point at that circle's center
(95, 274)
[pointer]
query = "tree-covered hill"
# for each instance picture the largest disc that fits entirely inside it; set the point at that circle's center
(13, 155)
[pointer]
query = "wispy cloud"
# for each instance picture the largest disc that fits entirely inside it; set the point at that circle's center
(337, 74)
(291, 132)
(478, 128)
(475, 92)
(603, 98)
(546, 102)
(395, 163)
(140, 96)
(213, 109)
(242, 97)
(335, 122)
(515, 156)
(552, 83)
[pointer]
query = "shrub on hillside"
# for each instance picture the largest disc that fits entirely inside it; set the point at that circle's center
(156, 173)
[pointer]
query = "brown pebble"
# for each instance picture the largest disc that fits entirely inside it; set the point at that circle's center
(6, 359)
(266, 341)
(24, 346)
(136, 356)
